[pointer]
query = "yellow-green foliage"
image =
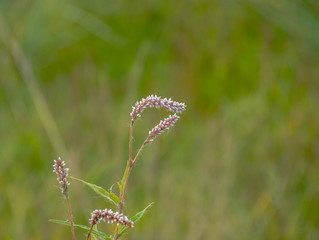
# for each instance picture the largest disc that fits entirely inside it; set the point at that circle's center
(243, 161)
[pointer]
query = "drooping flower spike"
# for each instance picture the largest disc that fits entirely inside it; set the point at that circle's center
(157, 102)
(107, 215)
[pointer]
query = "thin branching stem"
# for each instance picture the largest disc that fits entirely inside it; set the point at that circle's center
(71, 218)
(116, 232)
(128, 167)
(128, 170)
(138, 154)
(89, 232)
(130, 164)
(130, 152)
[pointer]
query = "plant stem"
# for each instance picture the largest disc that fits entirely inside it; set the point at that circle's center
(115, 232)
(130, 152)
(129, 166)
(90, 231)
(128, 169)
(138, 153)
(71, 218)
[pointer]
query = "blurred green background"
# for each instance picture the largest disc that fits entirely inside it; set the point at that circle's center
(241, 163)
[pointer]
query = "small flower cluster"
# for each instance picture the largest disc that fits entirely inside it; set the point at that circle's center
(110, 216)
(161, 127)
(157, 102)
(62, 173)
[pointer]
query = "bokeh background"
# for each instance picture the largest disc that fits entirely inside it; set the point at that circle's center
(241, 163)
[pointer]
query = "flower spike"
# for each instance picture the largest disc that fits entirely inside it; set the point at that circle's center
(107, 215)
(62, 173)
(161, 127)
(154, 101)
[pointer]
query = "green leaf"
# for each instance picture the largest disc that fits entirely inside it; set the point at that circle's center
(106, 194)
(86, 228)
(124, 178)
(137, 217)
(120, 187)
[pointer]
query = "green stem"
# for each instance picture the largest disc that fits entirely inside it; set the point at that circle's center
(90, 231)
(127, 174)
(71, 218)
(129, 166)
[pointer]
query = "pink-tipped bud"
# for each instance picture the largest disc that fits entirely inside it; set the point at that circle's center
(161, 127)
(107, 215)
(62, 173)
(157, 102)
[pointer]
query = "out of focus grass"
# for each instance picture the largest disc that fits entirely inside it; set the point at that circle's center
(242, 163)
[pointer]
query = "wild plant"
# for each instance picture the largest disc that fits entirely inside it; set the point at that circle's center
(122, 222)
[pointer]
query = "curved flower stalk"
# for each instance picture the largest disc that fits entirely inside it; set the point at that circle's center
(157, 102)
(148, 102)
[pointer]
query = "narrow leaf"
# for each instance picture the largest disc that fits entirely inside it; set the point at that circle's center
(86, 228)
(124, 178)
(106, 194)
(137, 217)
(120, 187)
